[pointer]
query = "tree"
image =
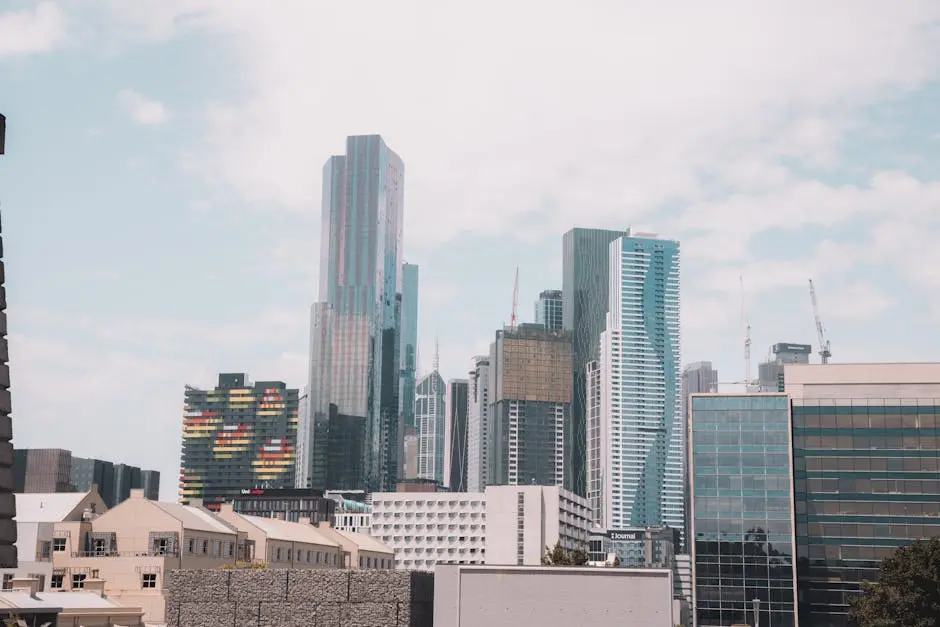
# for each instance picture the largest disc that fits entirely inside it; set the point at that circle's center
(907, 591)
(558, 556)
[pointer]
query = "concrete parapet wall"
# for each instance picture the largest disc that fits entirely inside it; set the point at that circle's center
(299, 598)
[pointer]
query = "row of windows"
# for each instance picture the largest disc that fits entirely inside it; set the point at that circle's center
(862, 463)
(869, 440)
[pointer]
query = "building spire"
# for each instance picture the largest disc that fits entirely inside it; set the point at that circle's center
(437, 356)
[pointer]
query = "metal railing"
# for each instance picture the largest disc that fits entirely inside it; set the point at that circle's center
(103, 553)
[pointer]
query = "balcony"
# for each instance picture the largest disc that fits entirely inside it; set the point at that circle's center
(104, 553)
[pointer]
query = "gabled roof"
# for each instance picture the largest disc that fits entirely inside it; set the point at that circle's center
(195, 518)
(276, 529)
(365, 542)
(47, 507)
(63, 600)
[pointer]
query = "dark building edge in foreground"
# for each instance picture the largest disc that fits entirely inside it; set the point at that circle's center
(7, 501)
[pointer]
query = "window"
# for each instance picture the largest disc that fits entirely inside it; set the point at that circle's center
(277, 554)
(7, 581)
(78, 581)
(45, 550)
(205, 547)
(58, 544)
(148, 580)
(230, 549)
(56, 581)
(160, 546)
(191, 545)
(40, 578)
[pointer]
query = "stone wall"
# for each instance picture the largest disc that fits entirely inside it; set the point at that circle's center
(299, 598)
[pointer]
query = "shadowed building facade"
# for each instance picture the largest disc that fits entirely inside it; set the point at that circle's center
(7, 503)
(457, 391)
(355, 360)
(585, 260)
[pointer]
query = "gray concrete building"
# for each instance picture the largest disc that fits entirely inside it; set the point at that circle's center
(770, 372)
(552, 596)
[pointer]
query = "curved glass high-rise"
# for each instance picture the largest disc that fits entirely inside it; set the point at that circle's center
(641, 426)
(355, 330)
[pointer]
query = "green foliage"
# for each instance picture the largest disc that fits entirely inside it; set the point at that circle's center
(907, 592)
(557, 556)
(244, 566)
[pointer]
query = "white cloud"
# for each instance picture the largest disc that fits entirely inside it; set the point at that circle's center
(599, 115)
(857, 301)
(141, 109)
(30, 31)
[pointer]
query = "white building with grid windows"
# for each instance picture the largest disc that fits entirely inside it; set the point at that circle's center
(641, 442)
(428, 528)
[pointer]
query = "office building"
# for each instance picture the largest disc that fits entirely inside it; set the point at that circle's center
(523, 522)
(355, 359)
(292, 504)
(478, 411)
(548, 310)
(429, 528)
(302, 469)
(341, 441)
(641, 442)
(431, 416)
(351, 515)
(58, 471)
(409, 342)
(7, 505)
(770, 372)
(237, 436)
(457, 392)
(410, 451)
(586, 256)
(530, 383)
(699, 377)
(45, 470)
(866, 452)
(742, 534)
(650, 547)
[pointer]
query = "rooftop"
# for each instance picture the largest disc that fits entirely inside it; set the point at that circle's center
(276, 529)
(47, 507)
(364, 541)
(63, 600)
(195, 518)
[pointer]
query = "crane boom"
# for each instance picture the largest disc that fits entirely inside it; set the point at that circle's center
(824, 349)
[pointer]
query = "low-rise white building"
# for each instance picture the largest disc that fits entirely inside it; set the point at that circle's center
(428, 528)
(522, 522)
(503, 525)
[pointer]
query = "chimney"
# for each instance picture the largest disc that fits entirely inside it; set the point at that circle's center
(137, 493)
(227, 507)
(95, 586)
(26, 585)
(305, 520)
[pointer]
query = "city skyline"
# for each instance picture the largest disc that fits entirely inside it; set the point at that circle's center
(182, 175)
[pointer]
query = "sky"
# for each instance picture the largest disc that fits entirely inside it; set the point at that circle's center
(161, 187)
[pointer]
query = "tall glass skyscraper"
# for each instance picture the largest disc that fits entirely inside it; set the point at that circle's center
(355, 332)
(742, 515)
(478, 412)
(641, 447)
(586, 255)
(409, 342)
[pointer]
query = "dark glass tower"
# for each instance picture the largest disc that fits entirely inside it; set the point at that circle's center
(7, 503)
(457, 390)
(586, 260)
(355, 350)
(742, 515)
(236, 437)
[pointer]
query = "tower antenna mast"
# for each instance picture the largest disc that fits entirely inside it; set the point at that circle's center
(746, 326)
(515, 302)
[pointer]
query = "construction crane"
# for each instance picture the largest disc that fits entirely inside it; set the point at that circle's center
(515, 302)
(824, 349)
(746, 326)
